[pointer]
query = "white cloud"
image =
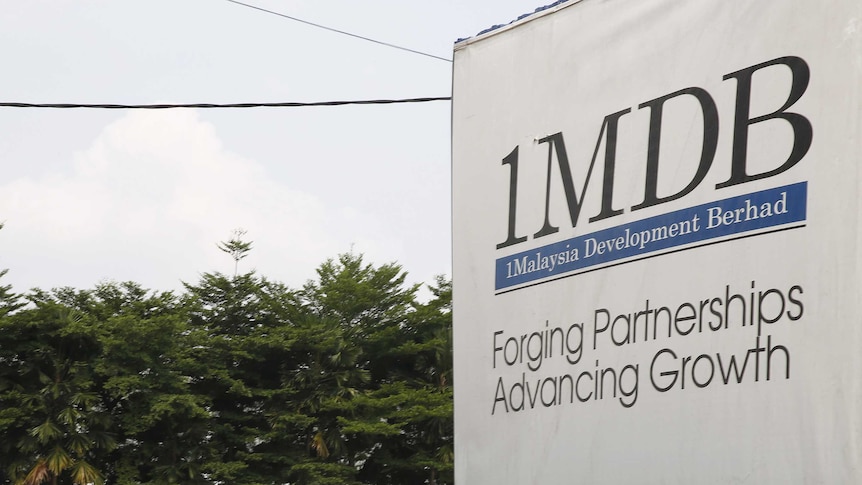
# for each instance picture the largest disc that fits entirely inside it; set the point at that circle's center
(149, 200)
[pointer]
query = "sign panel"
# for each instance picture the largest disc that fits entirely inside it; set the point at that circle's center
(656, 228)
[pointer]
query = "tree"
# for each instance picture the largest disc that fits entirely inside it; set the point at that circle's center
(239, 380)
(396, 428)
(236, 248)
(243, 331)
(54, 424)
(144, 374)
(415, 398)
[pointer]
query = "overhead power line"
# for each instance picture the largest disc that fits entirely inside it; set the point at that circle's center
(319, 26)
(221, 105)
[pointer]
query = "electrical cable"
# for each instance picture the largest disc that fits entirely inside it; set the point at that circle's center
(222, 105)
(340, 31)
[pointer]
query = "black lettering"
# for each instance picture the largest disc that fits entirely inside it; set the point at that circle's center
(802, 130)
(710, 141)
(557, 145)
(512, 161)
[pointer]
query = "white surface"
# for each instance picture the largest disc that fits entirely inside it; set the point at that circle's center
(565, 72)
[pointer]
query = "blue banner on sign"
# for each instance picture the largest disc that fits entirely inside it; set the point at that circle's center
(736, 215)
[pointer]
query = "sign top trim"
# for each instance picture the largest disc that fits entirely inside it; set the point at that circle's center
(539, 12)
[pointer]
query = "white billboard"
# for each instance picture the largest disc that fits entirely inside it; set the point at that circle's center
(657, 244)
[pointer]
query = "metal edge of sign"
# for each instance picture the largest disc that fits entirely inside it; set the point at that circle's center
(496, 29)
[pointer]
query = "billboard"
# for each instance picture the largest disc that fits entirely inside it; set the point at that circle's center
(656, 256)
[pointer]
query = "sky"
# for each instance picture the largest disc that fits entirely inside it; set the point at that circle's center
(90, 196)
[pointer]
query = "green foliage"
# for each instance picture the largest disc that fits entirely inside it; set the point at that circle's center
(236, 248)
(62, 427)
(238, 380)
